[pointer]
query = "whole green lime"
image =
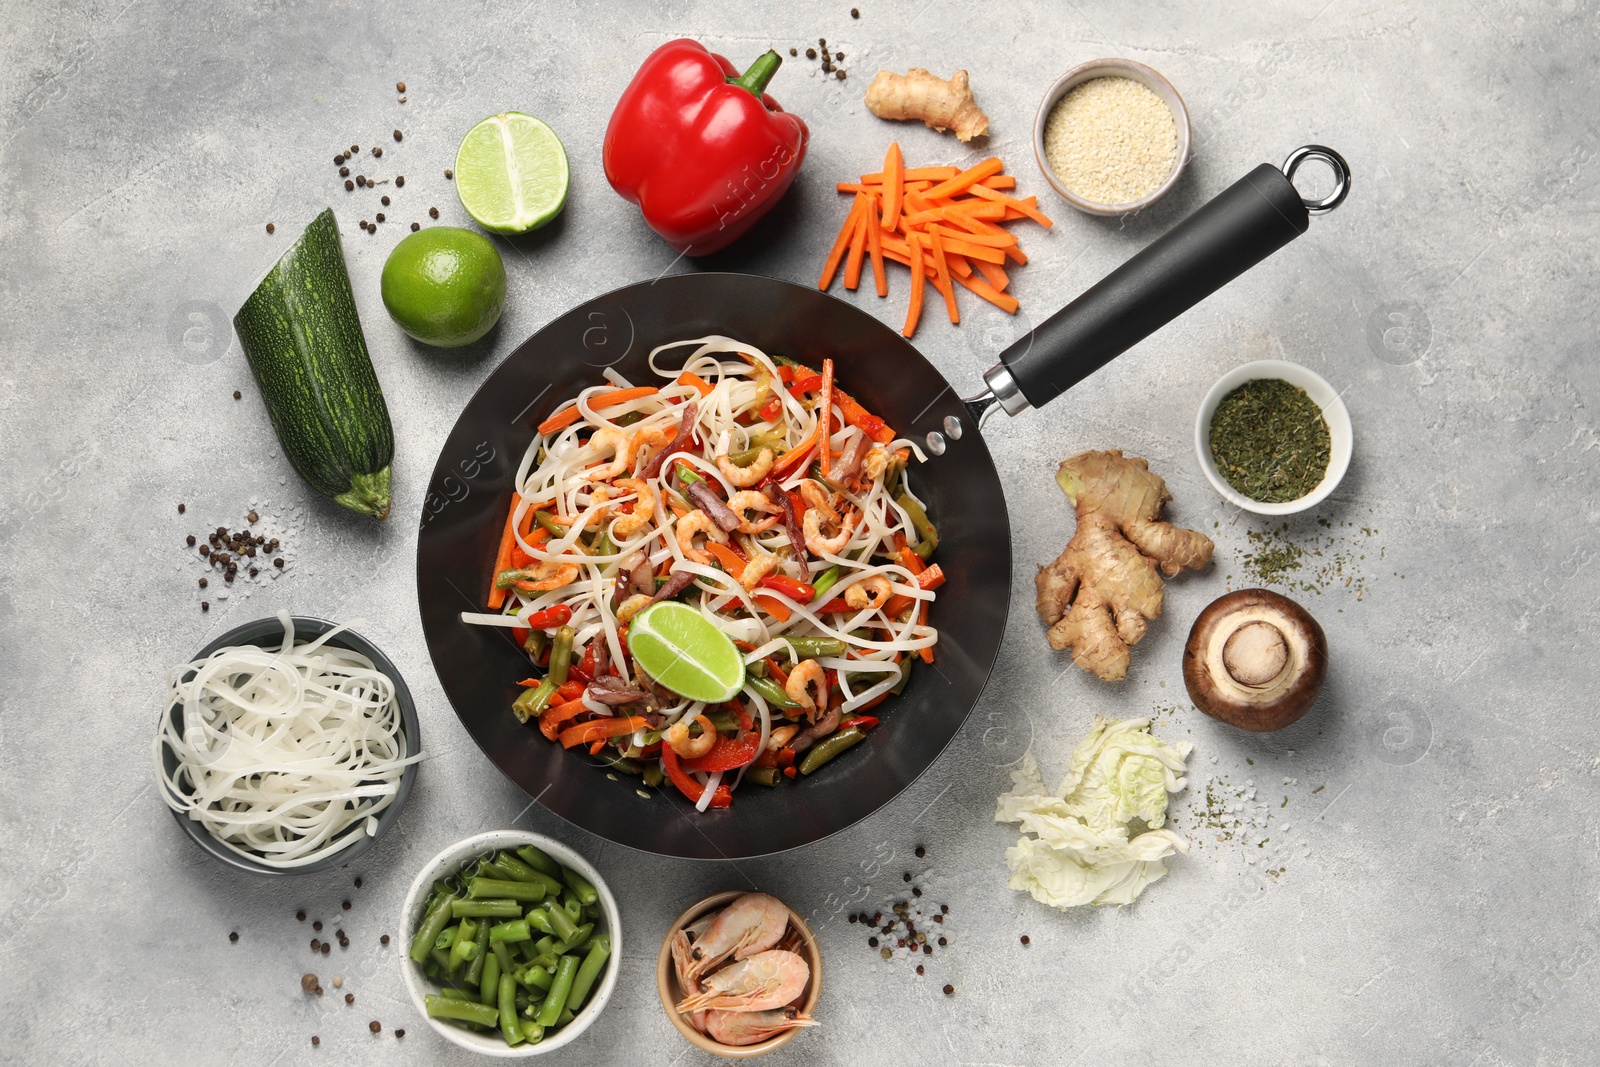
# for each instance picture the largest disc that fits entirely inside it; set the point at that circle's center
(445, 286)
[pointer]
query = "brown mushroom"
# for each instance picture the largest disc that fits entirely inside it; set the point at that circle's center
(1255, 659)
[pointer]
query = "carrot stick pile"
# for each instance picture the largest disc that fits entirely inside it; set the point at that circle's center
(942, 222)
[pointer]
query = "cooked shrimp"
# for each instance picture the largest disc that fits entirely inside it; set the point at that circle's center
(750, 500)
(765, 981)
(749, 1027)
(876, 462)
(830, 546)
(692, 524)
(631, 607)
(819, 498)
(677, 736)
(745, 477)
(654, 436)
(546, 575)
(781, 736)
(615, 443)
(803, 679)
(758, 568)
(871, 592)
(643, 509)
(752, 923)
(598, 495)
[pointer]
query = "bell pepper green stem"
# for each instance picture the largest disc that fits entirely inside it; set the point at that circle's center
(760, 73)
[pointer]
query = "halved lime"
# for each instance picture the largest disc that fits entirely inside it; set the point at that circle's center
(511, 173)
(682, 650)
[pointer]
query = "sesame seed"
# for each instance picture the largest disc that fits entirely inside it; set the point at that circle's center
(1111, 140)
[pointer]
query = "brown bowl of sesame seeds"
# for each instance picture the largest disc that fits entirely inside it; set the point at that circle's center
(671, 990)
(1111, 136)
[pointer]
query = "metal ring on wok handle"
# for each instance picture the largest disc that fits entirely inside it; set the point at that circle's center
(1341, 174)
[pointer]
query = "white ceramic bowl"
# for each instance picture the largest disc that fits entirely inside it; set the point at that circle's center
(453, 859)
(1318, 389)
(1112, 68)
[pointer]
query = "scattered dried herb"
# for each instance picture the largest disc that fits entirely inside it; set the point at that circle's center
(1270, 441)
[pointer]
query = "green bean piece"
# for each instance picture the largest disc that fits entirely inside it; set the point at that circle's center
(548, 521)
(603, 545)
(771, 692)
(629, 419)
(924, 548)
(767, 776)
(920, 522)
(524, 1001)
(433, 923)
(536, 977)
(507, 865)
(431, 969)
(687, 476)
(565, 1017)
(654, 775)
(534, 644)
(502, 889)
(442, 959)
(509, 1026)
(826, 581)
(829, 747)
(556, 999)
(572, 905)
(443, 1007)
(539, 919)
(532, 1032)
(486, 909)
(749, 455)
(489, 980)
(502, 952)
(905, 675)
(592, 911)
(585, 890)
(579, 936)
(561, 655)
(456, 994)
(509, 933)
(526, 950)
(623, 764)
(447, 938)
(816, 647)
(531, 704)
(588, 971)
(465, 946)
(546, 945)
(561, 924)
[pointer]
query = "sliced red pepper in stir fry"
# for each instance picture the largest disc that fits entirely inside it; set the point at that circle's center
(727, 754)
(693, 790)
(793, 588)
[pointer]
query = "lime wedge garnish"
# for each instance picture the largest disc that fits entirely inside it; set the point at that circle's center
(678, 647)
(511, 173)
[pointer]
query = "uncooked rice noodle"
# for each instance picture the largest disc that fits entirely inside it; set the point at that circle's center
(286, 756)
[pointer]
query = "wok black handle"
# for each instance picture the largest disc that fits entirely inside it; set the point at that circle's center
(1246, 223)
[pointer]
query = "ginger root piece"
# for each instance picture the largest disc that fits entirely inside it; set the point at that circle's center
(1100, 593)
(917, 94)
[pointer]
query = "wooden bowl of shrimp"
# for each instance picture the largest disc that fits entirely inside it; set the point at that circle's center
(749, 969)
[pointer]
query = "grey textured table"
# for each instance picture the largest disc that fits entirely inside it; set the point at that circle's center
(1412, 880)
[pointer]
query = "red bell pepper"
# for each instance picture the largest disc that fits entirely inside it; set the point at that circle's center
(728, 753)
(796, 590)
(700, 148)
(693, 790)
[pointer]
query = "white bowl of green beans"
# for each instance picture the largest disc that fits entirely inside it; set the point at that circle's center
(512, 943)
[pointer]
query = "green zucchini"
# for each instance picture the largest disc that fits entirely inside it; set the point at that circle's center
(303, 339)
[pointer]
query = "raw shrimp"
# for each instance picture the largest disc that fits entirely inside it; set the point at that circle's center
(826, 546)
(802, 680)
(677, 736)
(745, 477)
(750, 500)
(698, 522)
(749, 1027)
(644, 508)
(682, 943)
(750, 924)
(871, 592)
(762, 982)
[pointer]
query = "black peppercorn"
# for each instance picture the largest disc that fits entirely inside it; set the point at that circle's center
(433, 212)
(339, 158)
(377, 152)
(872, 942)
(852, 918)
(271, 228)
(354, 149)
(317, 925)
(205, 605)
(794, 51)
(384, 940)
(943, 943)
(234, 936)
(855, 13)
(189, 540)
(238, 395)
(949, 990)
(400, 181)
(400, 1032)
(906, 877)
(811, 53)
(397, 135)
(315, 1040)
(384, 200)
(349, 998)
(326, 948)
(300, 915)
(345, 905)
(278, 563)
(840, 75)
(921, 852)
(344, 172)
(380, 216)
(415, 226)
(202, 583)
(916, 891)
(348, 184)
(449, 174)
(399, 87)
(375, 1026)
(1025, 939)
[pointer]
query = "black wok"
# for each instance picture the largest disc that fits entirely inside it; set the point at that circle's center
(471, 486)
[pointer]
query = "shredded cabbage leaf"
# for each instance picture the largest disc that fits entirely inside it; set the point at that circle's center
(1076, 846)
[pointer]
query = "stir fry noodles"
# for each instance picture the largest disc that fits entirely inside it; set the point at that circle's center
(756, 492)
